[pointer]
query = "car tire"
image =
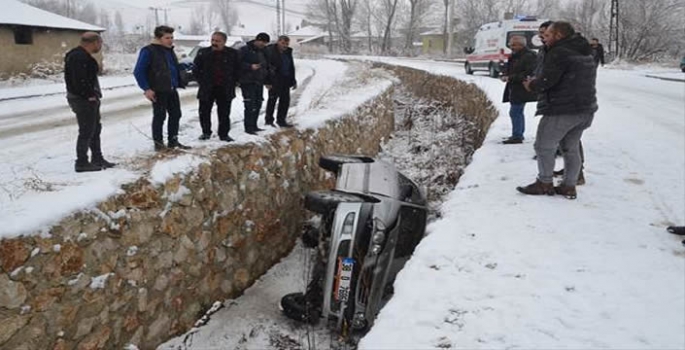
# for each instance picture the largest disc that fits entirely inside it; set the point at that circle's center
(333, 162)
(467, 68)
(324, 202)
(492, 70)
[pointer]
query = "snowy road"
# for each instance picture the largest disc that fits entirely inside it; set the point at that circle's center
(598, 272)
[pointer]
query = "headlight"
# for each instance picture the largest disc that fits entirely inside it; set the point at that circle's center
(348, 224)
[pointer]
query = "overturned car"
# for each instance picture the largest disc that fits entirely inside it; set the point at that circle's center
(369, 226)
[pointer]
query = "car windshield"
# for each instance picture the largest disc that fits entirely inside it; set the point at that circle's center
(531, 36)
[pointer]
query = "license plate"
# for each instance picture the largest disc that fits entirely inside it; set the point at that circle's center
(345, 268)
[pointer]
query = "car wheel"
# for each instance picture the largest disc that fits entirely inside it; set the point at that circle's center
(333, 162)
(493, 71)
(323, 202)
(467, 68)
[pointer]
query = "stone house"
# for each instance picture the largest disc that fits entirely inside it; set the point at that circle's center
(34, 41)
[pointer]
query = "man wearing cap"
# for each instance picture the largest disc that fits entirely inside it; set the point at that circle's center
(84, 94)
(254, 70)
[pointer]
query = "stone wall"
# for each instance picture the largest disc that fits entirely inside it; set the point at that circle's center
(146, 264)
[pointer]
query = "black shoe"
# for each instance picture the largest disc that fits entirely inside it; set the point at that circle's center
(285, 125)
(159, 146)
(259, 129)
(176, 144)
(82, 167)
(512, 141)
(226, 138)
(103, 163)
(676, 230)
(537, 188)
(204, 137)
(270, 124)
(251, 132)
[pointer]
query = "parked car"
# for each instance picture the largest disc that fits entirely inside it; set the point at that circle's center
(186, 62)
(682, 64)
(370, 225)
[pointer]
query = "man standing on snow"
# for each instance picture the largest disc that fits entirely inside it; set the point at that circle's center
(252, 77)
(158, 74)
(520, 66)
(84, 94)
(567, 103)
(216, 69)
(281, 78)
(597, 52)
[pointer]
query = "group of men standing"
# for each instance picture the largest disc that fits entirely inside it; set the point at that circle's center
(218, 69)
(561, 78)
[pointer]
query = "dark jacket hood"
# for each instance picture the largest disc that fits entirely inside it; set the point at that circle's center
(576, 43)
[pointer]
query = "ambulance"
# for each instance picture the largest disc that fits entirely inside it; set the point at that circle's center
(490, 51)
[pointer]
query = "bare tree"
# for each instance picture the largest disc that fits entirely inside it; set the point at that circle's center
(390, 7)
(650, 29)
(119, 22)
(417, 12)
(347, 9)
(226, 13)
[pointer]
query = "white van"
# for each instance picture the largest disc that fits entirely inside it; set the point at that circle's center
(490, 50)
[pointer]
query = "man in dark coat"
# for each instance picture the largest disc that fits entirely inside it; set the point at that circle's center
(254, 70)
(83, 95)
(520, 66)
(597, 52)
(158, 75)
(281, 78)
(216, 70)
(567, 103)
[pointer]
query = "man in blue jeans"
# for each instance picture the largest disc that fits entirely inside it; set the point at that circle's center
(158, 74)
(521, 65)
(254, 70)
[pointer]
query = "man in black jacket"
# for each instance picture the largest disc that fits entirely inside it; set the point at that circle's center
(254, 70)
(158, 75)
(83, 94)
(567, 102)
(281, 78)
(216, 70)
(597, 52)
(520, 66)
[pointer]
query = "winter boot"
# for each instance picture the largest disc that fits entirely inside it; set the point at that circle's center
(512, 141)
(159, 146)
(676, 230)
(537, 188)
(103, 163)
(173, 143)
(204, 137)
(566, 191)
(82, 167)
(581, 178)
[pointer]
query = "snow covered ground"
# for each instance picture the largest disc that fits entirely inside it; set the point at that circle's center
(38, 185)
(503, 270)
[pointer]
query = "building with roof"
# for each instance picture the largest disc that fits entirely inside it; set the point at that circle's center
(36, 40)
(433, 41)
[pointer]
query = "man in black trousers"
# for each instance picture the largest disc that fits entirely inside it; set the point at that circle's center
(253, 73)
(158, 75)
(216, 70)
(84, 94)
(281, 78)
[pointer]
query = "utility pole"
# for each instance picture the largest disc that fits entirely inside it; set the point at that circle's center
(450, 30)
(68, 8)
(283, 14)
(278, 17)
(613, 31)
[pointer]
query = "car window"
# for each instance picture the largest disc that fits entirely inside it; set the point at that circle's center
(408, 191)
